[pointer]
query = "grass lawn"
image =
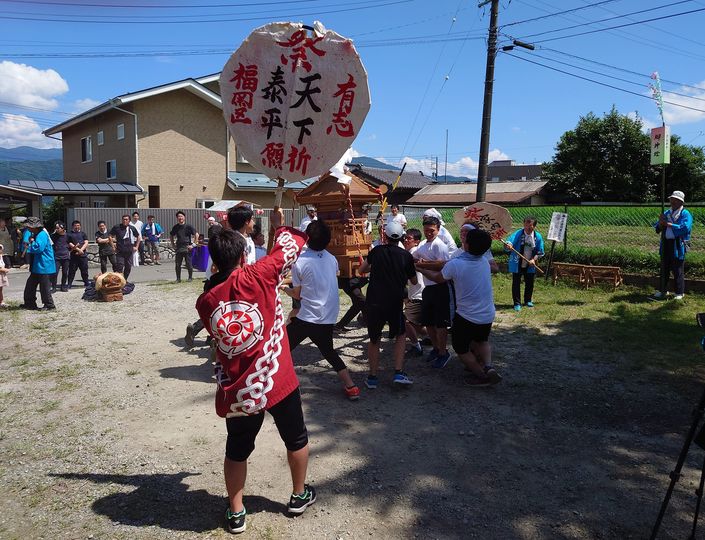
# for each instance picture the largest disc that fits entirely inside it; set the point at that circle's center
(622, 326)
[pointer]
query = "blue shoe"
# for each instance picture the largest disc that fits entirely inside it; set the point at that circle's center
(371, 382)
(529, 304)
(432, 355)
(441, 360)
(402, 379)
(517, 307)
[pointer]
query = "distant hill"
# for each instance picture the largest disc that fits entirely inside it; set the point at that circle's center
(31, 170)
(372, 162)
(27, 153)
(454, 179)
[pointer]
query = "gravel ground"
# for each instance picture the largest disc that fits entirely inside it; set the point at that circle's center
(108, 430)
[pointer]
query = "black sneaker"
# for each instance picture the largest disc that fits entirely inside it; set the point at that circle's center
(190, 335)
(299, 503)
(236, 521)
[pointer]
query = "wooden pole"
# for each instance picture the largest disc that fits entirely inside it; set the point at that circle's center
(506, 244)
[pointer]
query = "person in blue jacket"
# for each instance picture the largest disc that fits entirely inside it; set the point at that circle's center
(677, 224)
(529, 243)
(152, 233)
(43, 266)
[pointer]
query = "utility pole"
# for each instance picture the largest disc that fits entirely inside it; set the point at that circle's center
(487, 103)
(445, 170)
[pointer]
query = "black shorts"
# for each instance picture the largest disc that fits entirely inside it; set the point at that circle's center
(378, 316)
(464, 332)
(436, 308)
(289, 418)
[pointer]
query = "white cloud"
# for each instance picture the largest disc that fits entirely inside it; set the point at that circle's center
(465, 166)
(355, 153)
(25, 85)
(695, 99)
(19, 130)
(82, 105)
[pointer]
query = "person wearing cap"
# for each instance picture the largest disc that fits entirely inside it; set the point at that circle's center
(43, 266)
(443, 233)
(308, 218)
(677, 224)
(390, 267)
(213, 226)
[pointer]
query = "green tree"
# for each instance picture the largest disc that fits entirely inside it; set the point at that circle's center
(53, 212)
(607, 159)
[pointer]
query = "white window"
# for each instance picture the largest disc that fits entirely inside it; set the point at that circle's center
(86, 150)
(100, 138)
(205, 203)
(111, 169)
(120, 131)
(98, 204)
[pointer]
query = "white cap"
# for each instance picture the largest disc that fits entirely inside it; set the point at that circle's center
(394, 231)
(211, 218)
(677, 195)
(434, 213)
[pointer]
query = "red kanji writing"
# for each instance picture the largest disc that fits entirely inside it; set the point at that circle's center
(273, 155)
(299, 44)
(343, 126)
(298, 159)
(245, 77)
(238, 116)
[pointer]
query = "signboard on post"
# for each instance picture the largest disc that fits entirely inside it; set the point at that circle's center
(491, 218)
(661, 145)
(556, 231)
(294, 99)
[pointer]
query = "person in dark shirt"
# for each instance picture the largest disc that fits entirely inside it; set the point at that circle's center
(126, 239)
(61, 256)
(106, 251)
(78, 244)
(390, 267)
(183, 239)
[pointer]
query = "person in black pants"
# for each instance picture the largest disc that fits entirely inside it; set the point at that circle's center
(183, 239)
(43, 266)
(61, 256)
(353, 288)
(127, 241)
(106, 251)
(78, 244)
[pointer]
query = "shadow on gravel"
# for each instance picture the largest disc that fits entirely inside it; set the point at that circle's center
(159, 499)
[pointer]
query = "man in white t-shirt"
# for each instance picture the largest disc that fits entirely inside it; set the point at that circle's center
(435, 303)
(412, 305)
(443, 233)
(308, 218)
(474, 310)
(136, 222)
(315, 283)
(396, 217)
(494, 267)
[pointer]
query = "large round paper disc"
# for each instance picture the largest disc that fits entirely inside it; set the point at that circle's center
(294, 101)
(493, 219)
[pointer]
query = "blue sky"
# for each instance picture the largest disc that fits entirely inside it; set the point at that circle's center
(425, 61)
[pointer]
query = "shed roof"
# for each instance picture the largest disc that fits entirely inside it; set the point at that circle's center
(459, 194)
(260, 182)
(60, 187)
(409, 180)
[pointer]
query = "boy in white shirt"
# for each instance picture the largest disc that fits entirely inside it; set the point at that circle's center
(475, 311)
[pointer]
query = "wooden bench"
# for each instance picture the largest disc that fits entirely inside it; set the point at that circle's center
(576, 271)
(605, 274)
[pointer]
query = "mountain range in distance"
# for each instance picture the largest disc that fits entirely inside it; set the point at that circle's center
(28, 163)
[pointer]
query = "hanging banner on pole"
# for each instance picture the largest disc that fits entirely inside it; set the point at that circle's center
(556, 231)
(661, 145)
(294, 99)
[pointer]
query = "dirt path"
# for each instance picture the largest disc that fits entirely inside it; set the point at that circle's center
(107, 430)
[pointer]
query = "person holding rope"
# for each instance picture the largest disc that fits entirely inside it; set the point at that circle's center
(525, 247)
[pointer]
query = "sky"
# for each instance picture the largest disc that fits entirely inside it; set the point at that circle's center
(425, 62)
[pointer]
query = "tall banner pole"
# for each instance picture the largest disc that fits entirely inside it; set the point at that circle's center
(661, 155)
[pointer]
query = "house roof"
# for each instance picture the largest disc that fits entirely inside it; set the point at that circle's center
(505, 171)
(58, 187)
(459, 194)
(409, 180)
(190, 85)
(259, 182)
(327, 187)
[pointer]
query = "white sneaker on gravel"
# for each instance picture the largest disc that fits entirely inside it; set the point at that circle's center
(678, 297)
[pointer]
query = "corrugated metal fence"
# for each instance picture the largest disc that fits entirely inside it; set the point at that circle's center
(166, 217)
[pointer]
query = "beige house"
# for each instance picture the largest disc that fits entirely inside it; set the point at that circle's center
(169, 146)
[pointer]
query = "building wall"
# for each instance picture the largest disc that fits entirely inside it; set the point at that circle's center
(122, 151)
(182, 149)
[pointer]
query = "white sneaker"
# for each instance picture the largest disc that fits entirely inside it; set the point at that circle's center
(678, 297)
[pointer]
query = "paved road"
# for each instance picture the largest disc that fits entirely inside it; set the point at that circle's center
(141, 274)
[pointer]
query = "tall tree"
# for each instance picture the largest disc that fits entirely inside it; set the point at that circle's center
(607, 159)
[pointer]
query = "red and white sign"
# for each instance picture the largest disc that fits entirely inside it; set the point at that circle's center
(294, 100)
(491, 218)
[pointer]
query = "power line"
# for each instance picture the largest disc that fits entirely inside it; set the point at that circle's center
(221, 20)
(623, 25)
(624, 15)
(559, 13)
(27, 107)
(602, 83)
(150, 6)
